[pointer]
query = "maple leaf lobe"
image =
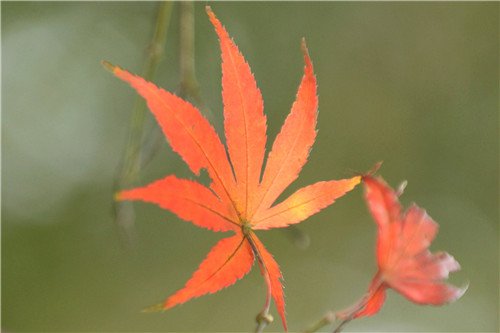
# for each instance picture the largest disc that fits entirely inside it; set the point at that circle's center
(244, 118)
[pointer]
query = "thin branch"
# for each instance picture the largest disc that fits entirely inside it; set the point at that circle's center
(189, 87)
(340, 327)
(141, 148)
(327, 319)
(188, 84)
(130, 164)
(346, 315)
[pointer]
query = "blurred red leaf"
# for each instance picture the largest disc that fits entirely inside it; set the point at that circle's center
(237, 200)
(405, 263)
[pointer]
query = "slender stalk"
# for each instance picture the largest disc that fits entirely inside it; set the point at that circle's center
(129, 166)
(340, 327)
(188, 84)
(263, 318)
(327, 319)
(346, 315)
(189, 87)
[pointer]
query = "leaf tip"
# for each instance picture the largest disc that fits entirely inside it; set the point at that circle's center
(213, 19)
(461, 291)
(154, 308)
(118, 196)
(303, 45)
(305, 52)
(108, 66)
(303, 40)
(211, 14)
(401, 188)
(373, 170)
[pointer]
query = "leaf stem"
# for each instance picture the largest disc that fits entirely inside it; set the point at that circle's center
(263, 318)
(348, 314)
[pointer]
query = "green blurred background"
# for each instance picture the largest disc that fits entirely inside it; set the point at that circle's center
(412, 84)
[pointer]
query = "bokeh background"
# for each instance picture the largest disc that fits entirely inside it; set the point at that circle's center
(412, 84)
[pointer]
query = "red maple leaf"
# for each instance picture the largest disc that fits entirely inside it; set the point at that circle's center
(239, 198)
(405, 263)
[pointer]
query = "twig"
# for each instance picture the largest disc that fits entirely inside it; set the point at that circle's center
(327, 319)
(188, 83)
(344, 322)
(130, 164)
(348, 314)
